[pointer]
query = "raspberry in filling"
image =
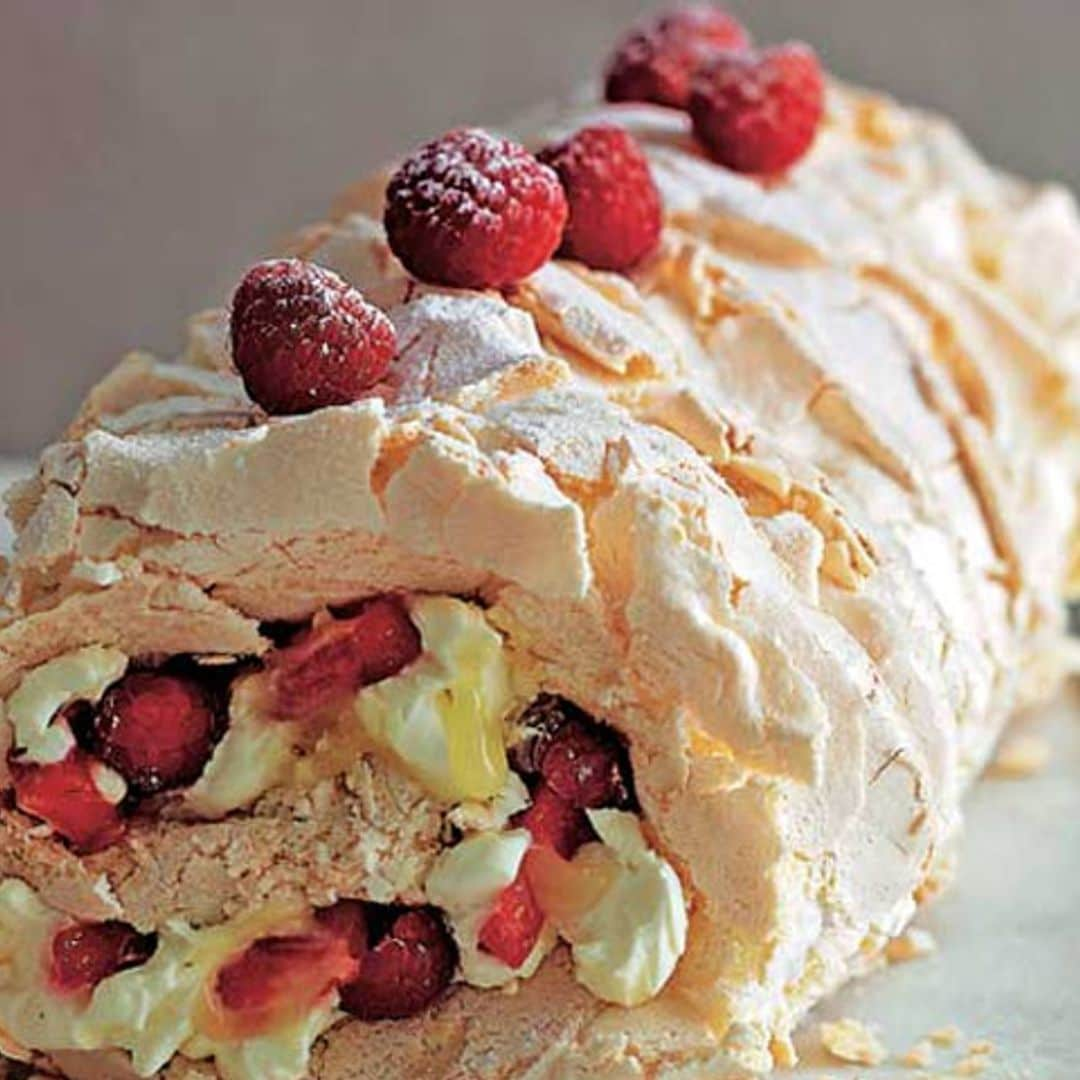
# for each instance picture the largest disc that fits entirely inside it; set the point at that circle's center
(511, 931)
(657, 62)
(341, 656)
(474, 211)
(84, 955)
(279, 979)
(156, 730)
(408, 968)
(581, 760)
(68, 796)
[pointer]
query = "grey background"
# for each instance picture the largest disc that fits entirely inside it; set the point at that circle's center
(150, 148)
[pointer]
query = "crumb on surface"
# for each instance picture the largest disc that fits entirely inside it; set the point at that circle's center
(919, 1056)
(851, 1040)
(911, 945)
(945, 1036)
(972, 1065)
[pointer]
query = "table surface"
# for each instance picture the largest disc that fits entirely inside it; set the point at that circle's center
(1008, 932)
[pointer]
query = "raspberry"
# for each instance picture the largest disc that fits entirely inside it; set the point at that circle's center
(583, 761)
(157, 731)
(512, 929)
(657, 62)
(341, 656)
(615, 211)
(84, 955)
(474, 211)
(303, 339)
(555, 823)
(584, 767)
(277, 979)
(759, 112)
(406, 971)
(66, 797)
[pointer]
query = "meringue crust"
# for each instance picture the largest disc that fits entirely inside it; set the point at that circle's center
(793, 509)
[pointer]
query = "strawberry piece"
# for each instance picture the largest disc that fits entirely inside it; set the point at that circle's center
(341, 656)
(555, 823)
(83, 955)
(157, 731)
(474, 211)
(512, 929)
(615, 210)
(347, 920)
(279, 979)
(66, 797)
(408, 969)
(759, 112)
(657, 62)
(304, 339)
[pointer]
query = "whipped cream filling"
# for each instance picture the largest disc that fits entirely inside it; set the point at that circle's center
(444, 720)
(466, 882)
(441, 720)
(152, 1011)
(31, 710)
(627, 944)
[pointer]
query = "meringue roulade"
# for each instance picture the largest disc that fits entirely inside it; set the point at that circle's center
(586, 685)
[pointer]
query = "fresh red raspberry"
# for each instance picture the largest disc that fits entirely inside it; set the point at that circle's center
(615, 210)
(555, 823)
(583, 761)
(66, 797)
(759, 112)
(157, 731)
(303, 339)
(657, 62)
(512, 929)
(277, 979)
(84, 955)
(584, 766)
(341, 656)
(474, 211)
(407, 970)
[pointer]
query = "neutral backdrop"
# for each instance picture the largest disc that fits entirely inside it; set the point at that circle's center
(149, 148)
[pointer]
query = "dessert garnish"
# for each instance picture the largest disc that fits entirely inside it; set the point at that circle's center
(304, 339)
(759, 112)
(473, 210)
(615, 210)
(656, 62)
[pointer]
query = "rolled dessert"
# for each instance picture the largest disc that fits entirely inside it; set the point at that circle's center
(592, 696)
